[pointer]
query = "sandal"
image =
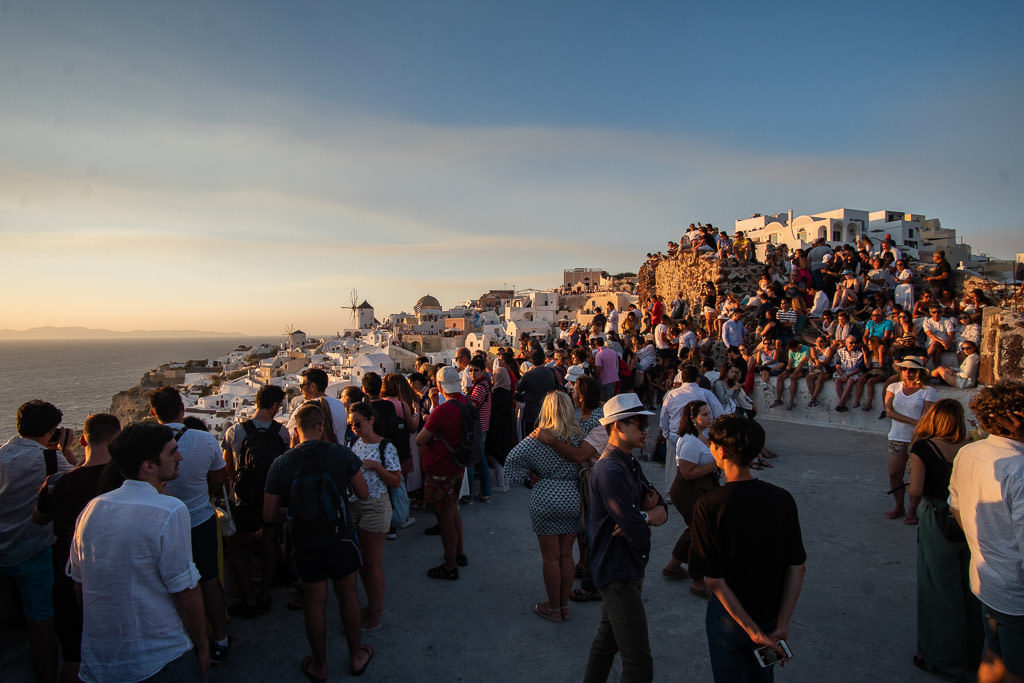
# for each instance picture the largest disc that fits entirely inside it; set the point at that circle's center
(369, 652)
(583, 595)
(565, 612)
(304, 668)
(442, 572)
(544, 612)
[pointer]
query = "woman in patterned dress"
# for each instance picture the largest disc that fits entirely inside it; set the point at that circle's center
(555, 501)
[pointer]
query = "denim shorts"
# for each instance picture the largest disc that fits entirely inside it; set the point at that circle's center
(1004, 635)
(34, 578)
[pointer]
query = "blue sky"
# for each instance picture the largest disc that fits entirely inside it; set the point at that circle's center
(242, 166)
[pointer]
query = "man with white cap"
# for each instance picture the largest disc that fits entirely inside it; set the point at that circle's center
(672, 411)
(624, 505)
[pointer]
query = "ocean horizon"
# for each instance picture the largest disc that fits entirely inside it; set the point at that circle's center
(80, 376)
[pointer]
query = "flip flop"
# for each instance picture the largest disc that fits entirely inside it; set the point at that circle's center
(582, 595)
(304, 668)
(369, 651)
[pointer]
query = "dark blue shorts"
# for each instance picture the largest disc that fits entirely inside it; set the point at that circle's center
(337, 562)
(204, 549)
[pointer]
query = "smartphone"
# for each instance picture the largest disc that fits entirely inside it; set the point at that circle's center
(766, 656)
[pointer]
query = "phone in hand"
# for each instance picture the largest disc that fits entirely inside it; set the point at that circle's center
(767, 655)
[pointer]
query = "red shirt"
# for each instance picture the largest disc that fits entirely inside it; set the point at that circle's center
(445, 421)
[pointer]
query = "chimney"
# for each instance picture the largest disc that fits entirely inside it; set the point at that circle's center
(790, 218)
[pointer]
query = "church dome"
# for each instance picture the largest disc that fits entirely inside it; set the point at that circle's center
(427, 302)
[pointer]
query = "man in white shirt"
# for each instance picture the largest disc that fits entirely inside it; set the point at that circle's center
(687, 339)
(939, 331)
(201, 471)
(986, 495)
(733, 330)
(661, 339)
(613, 317)
(820, 303)
(131, 560)
(672, 411)
(41, 448)
(313, 385)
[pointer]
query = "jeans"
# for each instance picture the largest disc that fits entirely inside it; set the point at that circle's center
(732, 651)
(485, 472)
(623, 630)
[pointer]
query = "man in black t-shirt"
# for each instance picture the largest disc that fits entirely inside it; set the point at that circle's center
(747, 543)
(339, 559)
(941, 274)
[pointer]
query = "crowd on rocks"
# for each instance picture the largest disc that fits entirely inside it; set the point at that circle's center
(312, 503)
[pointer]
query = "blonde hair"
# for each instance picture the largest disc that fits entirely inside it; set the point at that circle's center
(944, 420)
(558, 414)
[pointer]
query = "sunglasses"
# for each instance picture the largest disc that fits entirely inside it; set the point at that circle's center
(640, 422)
(356, 424)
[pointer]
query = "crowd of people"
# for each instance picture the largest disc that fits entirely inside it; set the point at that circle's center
(313, 502)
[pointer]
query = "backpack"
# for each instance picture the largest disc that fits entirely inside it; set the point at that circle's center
(317, 515)
(391, 427)
(260, 447)
(466, 452)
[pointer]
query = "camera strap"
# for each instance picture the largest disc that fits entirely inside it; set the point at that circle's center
(50, 457)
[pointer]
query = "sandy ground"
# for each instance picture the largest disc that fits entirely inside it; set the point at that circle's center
(855, 620)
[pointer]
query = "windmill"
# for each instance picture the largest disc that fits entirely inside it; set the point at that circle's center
(353, 298)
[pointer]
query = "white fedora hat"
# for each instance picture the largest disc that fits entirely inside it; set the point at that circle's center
(621, 406)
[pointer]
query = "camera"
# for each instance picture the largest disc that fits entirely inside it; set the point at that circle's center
(59, 436)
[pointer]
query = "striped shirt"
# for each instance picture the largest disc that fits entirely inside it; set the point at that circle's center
(480, 396)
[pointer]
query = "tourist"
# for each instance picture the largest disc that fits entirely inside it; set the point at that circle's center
(733, 330)
(754, 571)
(904, 285)
(728, 389)
(905, 402)
(531, 389)
(249, 447)
(555, 501)
(480, 398)
(672, 412)
(941, 273)
(202, 470)
(939, 332)
(322, 532)
(949, 631)
(878, 335)
(372, 515)
(986, 494)
(42, 448)
(696, 474)
(769, 357)
(822, 366)
(850, 369)
(797, 358)
(624, 507)
(132, 558)
(606, 363)
(313, 385)
(966, 377)
(442, 476)
(61, 499)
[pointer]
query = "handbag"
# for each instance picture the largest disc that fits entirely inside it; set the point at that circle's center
(224, 518)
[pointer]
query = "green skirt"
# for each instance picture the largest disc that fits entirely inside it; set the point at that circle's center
(949, 627)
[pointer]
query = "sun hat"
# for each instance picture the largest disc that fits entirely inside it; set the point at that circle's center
(448, 378)
(621, 406)
(574, 373)
(911, 362)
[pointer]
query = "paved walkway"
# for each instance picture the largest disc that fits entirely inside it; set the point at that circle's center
(855, 620)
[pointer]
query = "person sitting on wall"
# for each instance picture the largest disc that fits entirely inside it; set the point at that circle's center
(967, 375)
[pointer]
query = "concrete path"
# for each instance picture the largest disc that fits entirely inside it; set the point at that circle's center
(855, 620)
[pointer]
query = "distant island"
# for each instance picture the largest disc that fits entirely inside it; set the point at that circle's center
(43, 333)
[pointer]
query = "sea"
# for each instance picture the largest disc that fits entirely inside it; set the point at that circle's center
(81, 376)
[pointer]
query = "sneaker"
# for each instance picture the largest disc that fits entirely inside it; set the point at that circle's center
(502, 489)
(218, 653)
(466, 500)
(407, 523)
(392, 535)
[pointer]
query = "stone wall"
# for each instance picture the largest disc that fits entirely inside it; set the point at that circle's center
(1002, 345)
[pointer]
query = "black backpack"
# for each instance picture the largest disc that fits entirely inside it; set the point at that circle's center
(466, 453)
(260, 447)
(317, 514)
(388, 425)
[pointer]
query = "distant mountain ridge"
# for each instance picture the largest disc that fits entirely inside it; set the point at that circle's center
(42, 333)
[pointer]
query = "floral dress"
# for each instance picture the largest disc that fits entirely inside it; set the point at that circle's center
(555, 501)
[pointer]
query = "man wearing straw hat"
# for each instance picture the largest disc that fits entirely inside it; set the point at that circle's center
(624, 505)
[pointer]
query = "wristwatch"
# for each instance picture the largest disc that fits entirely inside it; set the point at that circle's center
(644, 515)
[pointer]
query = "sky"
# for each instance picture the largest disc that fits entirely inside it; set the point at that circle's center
(242, 166)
